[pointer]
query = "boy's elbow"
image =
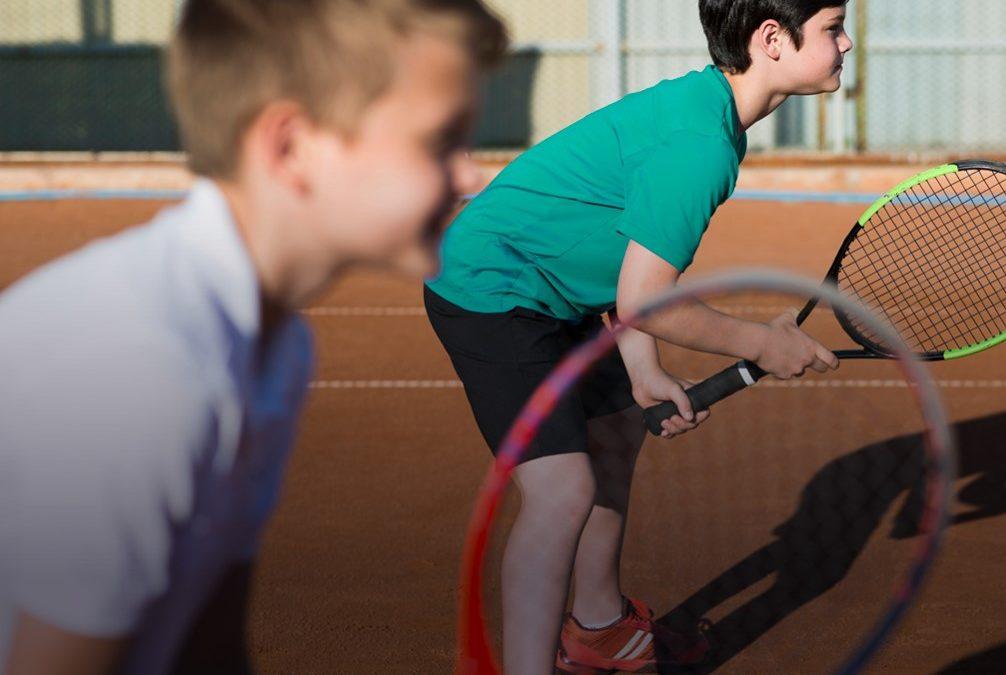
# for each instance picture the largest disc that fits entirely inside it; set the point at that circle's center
(629, 302)
(629, 305)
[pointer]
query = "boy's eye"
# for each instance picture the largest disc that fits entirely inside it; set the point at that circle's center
(447, 142)
(443, 144)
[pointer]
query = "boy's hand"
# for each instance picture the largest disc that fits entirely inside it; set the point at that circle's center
(787, 351)
(658, 387)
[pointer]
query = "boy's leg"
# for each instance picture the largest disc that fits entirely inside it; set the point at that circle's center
(557, 495)
(613, 441)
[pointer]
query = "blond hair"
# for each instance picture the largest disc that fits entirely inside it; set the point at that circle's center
(230, 58)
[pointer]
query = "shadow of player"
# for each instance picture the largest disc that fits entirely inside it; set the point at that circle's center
(983, 663)
(839, 509)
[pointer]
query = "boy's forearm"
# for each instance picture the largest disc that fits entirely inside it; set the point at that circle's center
(638, 350)
(700, 327)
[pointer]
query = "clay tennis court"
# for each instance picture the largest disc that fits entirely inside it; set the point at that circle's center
(359, 568)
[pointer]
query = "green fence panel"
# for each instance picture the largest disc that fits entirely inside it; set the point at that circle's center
(83, 97)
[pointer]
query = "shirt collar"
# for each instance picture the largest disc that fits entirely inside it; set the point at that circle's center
(221, 256)
(733, 119)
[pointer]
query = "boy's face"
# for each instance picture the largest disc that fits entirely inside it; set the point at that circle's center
(383, 194)
(817, 66)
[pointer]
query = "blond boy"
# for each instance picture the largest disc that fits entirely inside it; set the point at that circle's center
(149, 384)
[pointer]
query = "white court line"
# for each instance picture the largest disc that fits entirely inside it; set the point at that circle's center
(365, 311)
(419, 311)
(771, 384)
(386, 384)
(879, 384)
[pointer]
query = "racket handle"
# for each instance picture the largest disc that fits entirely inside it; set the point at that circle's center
(707, 392)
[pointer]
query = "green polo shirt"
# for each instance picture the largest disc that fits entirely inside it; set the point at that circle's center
(551, 231)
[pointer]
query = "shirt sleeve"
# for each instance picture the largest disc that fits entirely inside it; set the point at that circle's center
(103, 454)
(673, 191)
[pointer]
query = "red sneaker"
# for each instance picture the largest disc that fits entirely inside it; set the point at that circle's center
(635, 644)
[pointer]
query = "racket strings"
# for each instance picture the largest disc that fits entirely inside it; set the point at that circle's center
(981, 240)
(886, 295)
(935, 242)
(970, 269)
(934, 259)
(933, 251)
(988, 242)
(919, 273)
(960, 290)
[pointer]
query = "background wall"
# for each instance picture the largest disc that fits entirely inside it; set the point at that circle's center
(927, 75)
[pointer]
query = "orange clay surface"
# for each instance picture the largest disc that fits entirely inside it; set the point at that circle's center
(359, 567)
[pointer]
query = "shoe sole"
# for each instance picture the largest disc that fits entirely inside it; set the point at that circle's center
(564, 665)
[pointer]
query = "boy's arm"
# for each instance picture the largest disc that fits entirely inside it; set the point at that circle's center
(104, 474)
(778, 347)
(651, 384)
(39, 648)
(216, 642)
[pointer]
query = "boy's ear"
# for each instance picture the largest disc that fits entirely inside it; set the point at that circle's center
(768, 39)
(279, 140)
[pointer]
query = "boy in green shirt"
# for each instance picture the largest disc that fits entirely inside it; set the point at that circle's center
(601, 216)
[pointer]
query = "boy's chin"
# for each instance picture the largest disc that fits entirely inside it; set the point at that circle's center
(829, 86)
(420, 262)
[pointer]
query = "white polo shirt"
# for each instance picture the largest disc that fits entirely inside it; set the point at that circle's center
(142, 443)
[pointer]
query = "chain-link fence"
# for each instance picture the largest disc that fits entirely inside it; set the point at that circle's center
(926, 75)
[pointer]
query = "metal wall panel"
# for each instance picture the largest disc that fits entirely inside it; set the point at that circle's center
(934, 70)
(142, 21)
(31, 21)
(936, 75)
(664, 40)
(551, 72)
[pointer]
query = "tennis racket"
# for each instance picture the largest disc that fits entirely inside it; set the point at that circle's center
(930, 256)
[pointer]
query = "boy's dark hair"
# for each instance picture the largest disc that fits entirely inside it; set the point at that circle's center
(729, 24)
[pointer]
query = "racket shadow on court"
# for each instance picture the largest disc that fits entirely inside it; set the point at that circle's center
(839, 510)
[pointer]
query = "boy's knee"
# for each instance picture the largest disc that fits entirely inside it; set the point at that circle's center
(566, 500)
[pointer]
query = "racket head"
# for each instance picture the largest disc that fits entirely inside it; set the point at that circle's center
(476, 656)
(930, 256)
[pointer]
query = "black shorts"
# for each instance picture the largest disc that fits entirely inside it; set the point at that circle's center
(501, 359)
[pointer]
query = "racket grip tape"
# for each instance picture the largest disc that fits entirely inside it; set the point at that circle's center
(707, 392)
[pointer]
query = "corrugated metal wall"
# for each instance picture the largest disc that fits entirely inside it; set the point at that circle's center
(547, 85)
(665, 40)
(124, 21)
(934, 73)
(84, 75)
(589, 52)
(32, 21)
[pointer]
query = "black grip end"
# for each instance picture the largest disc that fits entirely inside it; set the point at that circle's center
(655, 415)
(706, 393)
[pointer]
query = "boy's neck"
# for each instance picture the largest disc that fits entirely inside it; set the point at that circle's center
(755, 98)
(288, 279)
